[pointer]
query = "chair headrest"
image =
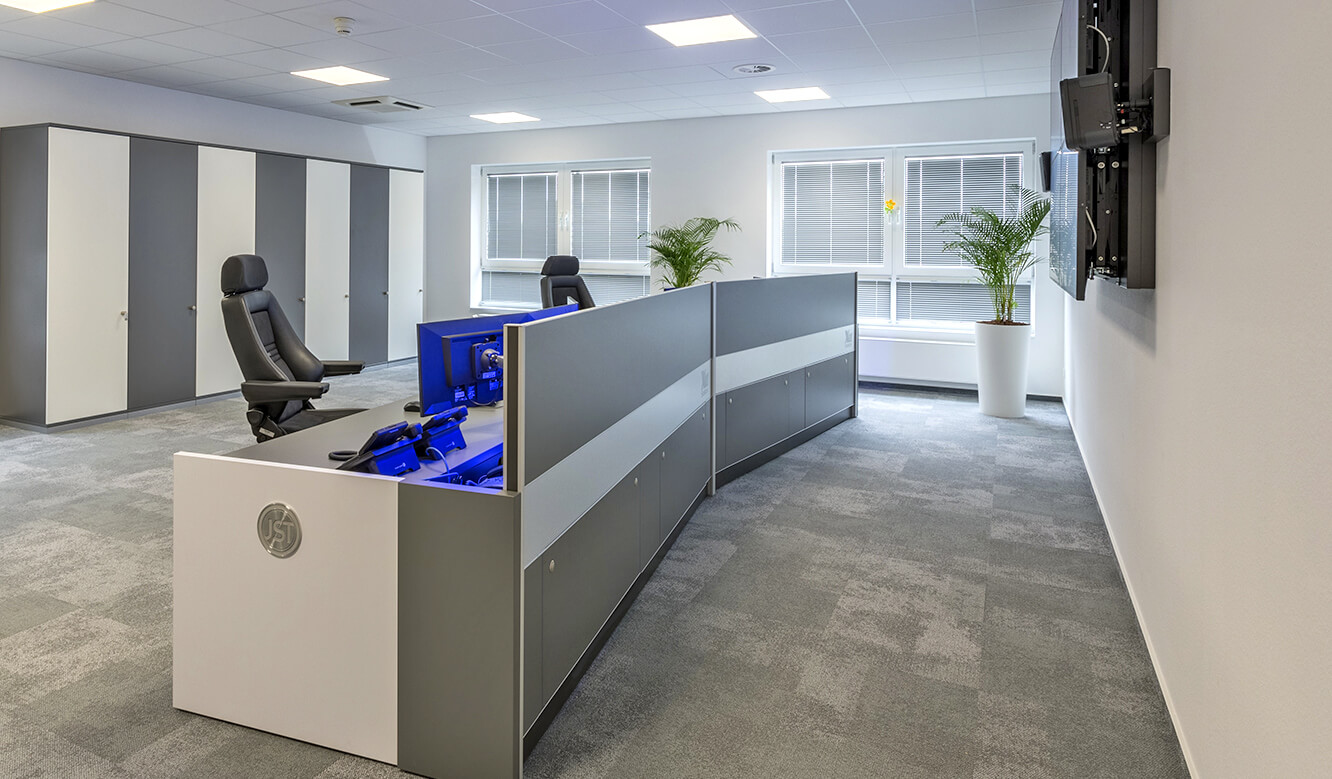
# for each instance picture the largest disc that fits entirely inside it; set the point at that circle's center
(560, 265)
(243, 273)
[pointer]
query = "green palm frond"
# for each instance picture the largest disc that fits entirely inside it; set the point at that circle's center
(999, 247)
(683, 252)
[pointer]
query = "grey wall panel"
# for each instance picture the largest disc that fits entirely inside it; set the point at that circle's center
(163, 241)
(684, 469)
(279, 230)
(459, 581)
(587, 371)
(795, 385)
(533, 700)
(830, 386)
(755, 312)
(757, 417)
(649, 509)
(23, 200)
(369, 264)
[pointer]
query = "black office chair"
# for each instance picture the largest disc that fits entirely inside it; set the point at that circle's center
(561, 284)
(281, 375)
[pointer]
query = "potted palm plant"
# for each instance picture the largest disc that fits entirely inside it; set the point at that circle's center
(998, 247)
(683, 252)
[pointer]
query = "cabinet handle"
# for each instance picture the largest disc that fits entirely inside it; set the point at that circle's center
(420, 291)
(730, 401)
(194, 308)
(635, 481)
(663, 455)
(385, 292)
(124, 315)
(348, 295)
(552, 565)
(300, 300)
(786, 382)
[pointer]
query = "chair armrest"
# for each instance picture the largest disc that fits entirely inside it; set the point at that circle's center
(342, 367)
(277, 391)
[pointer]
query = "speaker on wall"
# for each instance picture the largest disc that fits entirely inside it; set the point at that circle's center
(1045, 170)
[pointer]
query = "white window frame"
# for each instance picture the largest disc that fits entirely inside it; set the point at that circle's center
(894, 268)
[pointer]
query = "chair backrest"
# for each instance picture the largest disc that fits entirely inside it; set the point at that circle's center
(266, 345)
(561, 284)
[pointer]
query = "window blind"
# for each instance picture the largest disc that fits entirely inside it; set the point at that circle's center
(832, 213)
(932, 301)
(516, 289)
(611, 208)
(521, 220)
(936, 186)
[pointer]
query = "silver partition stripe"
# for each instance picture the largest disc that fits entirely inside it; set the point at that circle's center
(761, 362)
(583, 372)
(571, 487)
(754, 312)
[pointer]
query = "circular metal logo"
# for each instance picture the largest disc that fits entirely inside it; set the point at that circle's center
(279, 530)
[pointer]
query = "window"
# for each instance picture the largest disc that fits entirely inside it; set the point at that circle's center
(595, 211)
(830, 216)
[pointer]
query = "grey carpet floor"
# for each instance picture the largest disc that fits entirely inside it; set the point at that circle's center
(920, 592)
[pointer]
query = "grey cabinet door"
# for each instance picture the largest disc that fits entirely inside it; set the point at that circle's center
(163, 242)
(533, 700)
(369, 267)
(757, 417)
(279, 230)
(649, 509)
(795, 385)
(684, 469)
(829, 388)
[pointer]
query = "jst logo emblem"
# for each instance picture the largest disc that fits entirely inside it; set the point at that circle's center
(279, 530)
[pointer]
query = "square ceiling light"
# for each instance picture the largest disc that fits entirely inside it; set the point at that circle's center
(339, 76)
(505, 117)
(41, 6)
(792, 95)
(713, 29)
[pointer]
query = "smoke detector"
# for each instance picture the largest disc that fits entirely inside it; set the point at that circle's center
(753, 69)
(381, 105)
(342, 25)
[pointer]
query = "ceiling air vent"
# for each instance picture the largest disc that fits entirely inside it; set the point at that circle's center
(381, 105)
(752, 69)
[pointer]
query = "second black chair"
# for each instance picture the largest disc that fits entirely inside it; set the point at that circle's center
(561, 284)
(281, 375)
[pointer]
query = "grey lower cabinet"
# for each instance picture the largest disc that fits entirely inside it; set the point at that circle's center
(754, 417)
(576, 585)
(163, 236)
(829, 388)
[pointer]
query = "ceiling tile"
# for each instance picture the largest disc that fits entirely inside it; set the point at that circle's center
(1026, 76)
(822, 40)
(487, 30)
(857, 101)
(100, 61)
(339, 51)
(507, 6)
(951, 48)
(801, 18)
(1038, 58)
(539, 50)
(1018, 18)
(964, 93)
(572, 18)
(685, 75)
(149, 51)
(427, 11)
(220, 68)
(876, 11)
(829, 60)
(281, 60)
(961, 81)
(118, 18)
(1003, 90)
(206, 41)
(931, 29)
(1009, 42)
(168, 75)
(272, 31)
(14, 45)
(367, 18)
(616, 41)
(411, 41)
(657, 12)
(640, 94)
(199, 12)
(52, 29)
(948, 67)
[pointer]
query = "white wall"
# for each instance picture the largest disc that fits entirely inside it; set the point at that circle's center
(36, 94)
(719, 167)
(1202, 408)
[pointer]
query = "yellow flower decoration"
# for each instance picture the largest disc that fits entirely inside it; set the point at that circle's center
(889, 206)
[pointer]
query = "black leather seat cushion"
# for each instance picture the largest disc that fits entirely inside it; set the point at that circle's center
(310, 417)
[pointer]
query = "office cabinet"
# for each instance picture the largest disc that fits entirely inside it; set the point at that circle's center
(279, 230)
(87, 265)
(829, 388)
(226, 226)
(111, 251)
(533, 700)
(795, 414)
(327, 258)
(757, 416)
(649, 510)
(406, 298)
(685, 469)
(163, 236)
(368, 306)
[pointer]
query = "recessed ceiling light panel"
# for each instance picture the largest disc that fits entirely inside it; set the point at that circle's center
(505, 117)
(792, 95)
(339, 76)
(713, 29)
(41, 6)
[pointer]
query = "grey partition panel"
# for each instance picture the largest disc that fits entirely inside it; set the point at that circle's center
(23, 195)
(533, 700)
(163, 242)
(584, 575)
(685, 468)
(369, 264)
(585, 372)
(829, 388)
(459, 626)
(757, 312)
(279, 230)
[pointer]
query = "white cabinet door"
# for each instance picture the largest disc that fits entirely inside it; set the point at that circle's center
(327, 258)
(226, 227)
(87, 290)
(406, 261)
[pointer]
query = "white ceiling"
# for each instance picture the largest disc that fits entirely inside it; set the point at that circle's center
(569, 63)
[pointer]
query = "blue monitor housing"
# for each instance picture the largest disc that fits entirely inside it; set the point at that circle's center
(455, 366)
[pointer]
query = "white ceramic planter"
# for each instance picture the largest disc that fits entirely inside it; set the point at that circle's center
(1001, 354)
